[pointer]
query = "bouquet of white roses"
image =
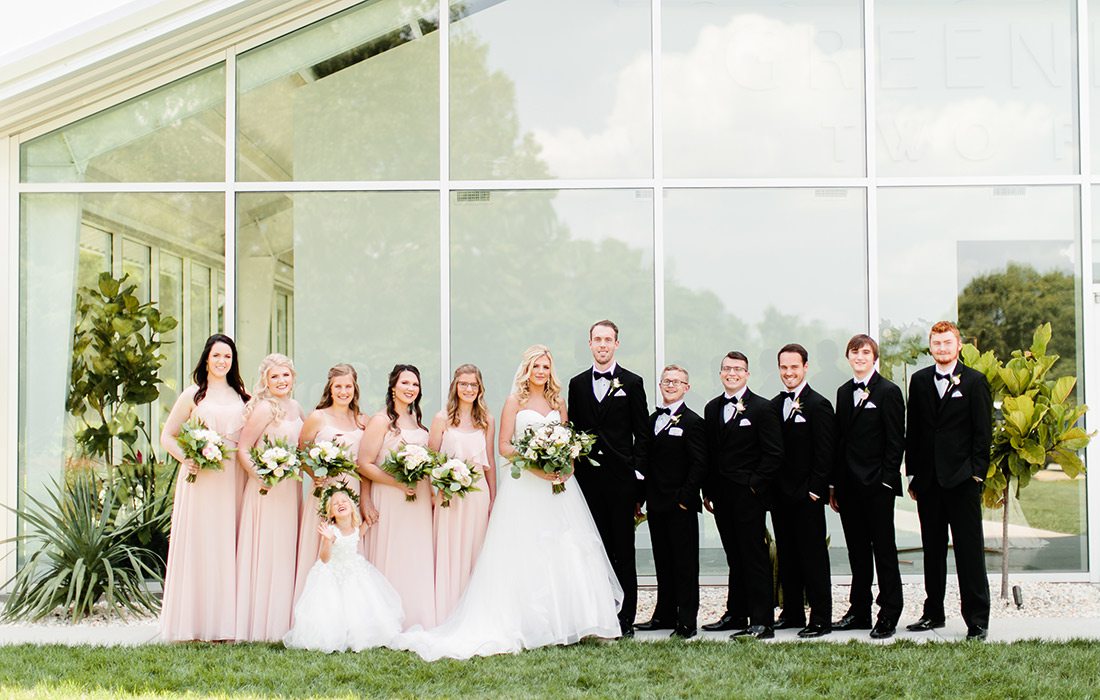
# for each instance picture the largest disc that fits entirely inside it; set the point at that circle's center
(202, 446)
(328, 459)
(550, 448)
(408, 464)
(275, 461)
(453, 477)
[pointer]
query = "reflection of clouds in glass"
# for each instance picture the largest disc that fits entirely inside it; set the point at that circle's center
(920, 230)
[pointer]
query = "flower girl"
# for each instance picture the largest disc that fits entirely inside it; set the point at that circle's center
(346, 603)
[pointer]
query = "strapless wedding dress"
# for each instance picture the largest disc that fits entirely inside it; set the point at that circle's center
(542, 577)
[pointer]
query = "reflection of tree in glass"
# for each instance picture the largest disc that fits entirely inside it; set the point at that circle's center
(901, 347)
(1000, 310)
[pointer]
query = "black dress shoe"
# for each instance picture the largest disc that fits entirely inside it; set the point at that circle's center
(815, 630)
(784, 623)
(851, 622)
(976, 632)
(925, 624)
(654, 624)
(683, 632)
(725, 624)
(755, 632)
(883, 630)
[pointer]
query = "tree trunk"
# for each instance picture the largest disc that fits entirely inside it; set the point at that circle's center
(1004, 541)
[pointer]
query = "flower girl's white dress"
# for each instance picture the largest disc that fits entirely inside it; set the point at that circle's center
(346, 603)
(542, 576)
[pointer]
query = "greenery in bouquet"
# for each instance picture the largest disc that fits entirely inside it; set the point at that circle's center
(327, 459)
(551, 448)
(275, 461)
(326, 495)
(454, 477)
(203, 446)
(408, 464)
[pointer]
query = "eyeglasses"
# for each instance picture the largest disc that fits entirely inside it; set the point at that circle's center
(734, 370)
(672, 382)
(468, 385)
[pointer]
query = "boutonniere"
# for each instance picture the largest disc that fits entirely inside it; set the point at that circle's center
(615, 385)
(796, 406)
(739, 406)
(955, 379)
(674, 419)
(864, 394)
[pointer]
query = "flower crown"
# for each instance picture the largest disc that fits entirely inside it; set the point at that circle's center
(330, 490)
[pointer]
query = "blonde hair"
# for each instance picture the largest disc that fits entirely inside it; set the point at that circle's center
(552, 391)
(356, 516)
(676, 368)
(262, 392)
(480, 411)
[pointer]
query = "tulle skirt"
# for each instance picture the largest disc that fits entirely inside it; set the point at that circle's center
(542, 578)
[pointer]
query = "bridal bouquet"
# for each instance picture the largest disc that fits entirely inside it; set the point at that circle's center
(454, 478)
(275, 461)
(409, 464)
(328, 459)
(551, 448)
(202, 446)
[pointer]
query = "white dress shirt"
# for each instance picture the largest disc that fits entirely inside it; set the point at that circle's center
(857, 395)
(728, 409)
(601, 386)
(665, 418)
(788, 403)
(942, 385)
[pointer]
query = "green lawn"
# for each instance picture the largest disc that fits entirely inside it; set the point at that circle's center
(615, 670)
(1053, 505)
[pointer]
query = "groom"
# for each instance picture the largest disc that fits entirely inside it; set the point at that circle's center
(609, 402)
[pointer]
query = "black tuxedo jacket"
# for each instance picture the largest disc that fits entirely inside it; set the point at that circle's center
(808, 438)
(675, 462)
(949, 438)
(871, 436)
(619, 423)
(748, 449)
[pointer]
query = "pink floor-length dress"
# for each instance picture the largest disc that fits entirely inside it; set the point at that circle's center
(400, 543)
(460, 528)
(267, 549)
(309, 542)
(200, 584)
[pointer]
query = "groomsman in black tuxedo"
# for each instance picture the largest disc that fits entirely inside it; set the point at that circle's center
(870, 431)
(744, 450)
(798, 510)
(947, 457)
(609, 401)
(674, 467)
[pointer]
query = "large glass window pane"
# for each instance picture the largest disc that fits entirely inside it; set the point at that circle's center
(172, 134)
(550, 89)
(353, 97)
(57, 232)
(1000, 260)
(341, 277)
(753, 270)
(738, 76)
(976, 88)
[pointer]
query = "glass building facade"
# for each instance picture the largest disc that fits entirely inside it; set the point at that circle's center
(378, 186)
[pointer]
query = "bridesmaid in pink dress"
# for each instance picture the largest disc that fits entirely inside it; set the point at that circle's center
(336, 419)
(400, 544)
(199, 601)
(463, 431)
(267, 543)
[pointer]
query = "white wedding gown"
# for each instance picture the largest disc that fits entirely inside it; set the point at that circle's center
(542, 576)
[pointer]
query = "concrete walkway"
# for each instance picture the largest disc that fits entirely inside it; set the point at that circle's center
(1001, 630)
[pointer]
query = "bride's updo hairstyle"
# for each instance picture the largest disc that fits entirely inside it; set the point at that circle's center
(262, 392)
(552, 392)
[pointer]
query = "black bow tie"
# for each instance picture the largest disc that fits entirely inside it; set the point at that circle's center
(601, 375)
(666, 411)
(945, 377)
(860, 385)
(788, 394)
(732, 399)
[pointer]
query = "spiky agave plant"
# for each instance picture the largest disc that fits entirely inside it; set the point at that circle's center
(84, 553)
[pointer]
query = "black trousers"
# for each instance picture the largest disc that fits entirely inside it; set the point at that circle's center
(740, 514)
(675, 537)
(867, 515)
(803, 559)
(959, 508)
(612, 506)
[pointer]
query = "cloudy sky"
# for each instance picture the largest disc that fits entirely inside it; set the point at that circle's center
(28, 23)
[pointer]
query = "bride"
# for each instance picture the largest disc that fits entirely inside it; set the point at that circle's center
(542, 576)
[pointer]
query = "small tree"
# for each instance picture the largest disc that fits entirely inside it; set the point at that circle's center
(116, 360)
(1035, 424)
